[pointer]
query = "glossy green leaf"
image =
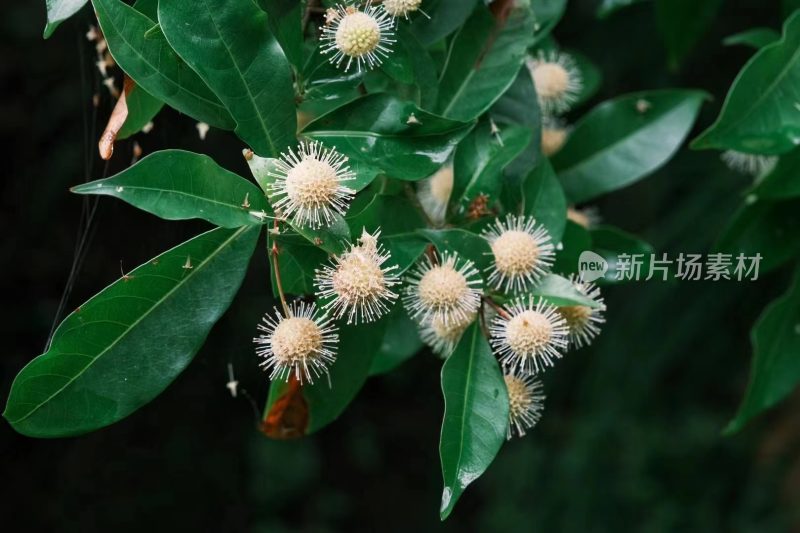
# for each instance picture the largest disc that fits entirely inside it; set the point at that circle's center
(120, 349)
(413, 68)
(776, 367)
(142, 51)
(445, 17)
(760, 112)
(558, 290)
(547, 14)
(475, 415)
(379, 132)
(479, 163)
(484, 58)
(783, 181)
(543, 198)
(142, 108)
(298, 260)
(755, 38)
(519, 106)
(610, 242)
(147, 7)
(398, 221)
(325, 87)
(607, 7)
(400, 342)
(591, 77)
(467, 244)
(285, 19)
(682, 23)
(230, 46)
(357, 347)
(766, 228)
(575, 240)
(624, 140)
(179, 185)
(58, 11)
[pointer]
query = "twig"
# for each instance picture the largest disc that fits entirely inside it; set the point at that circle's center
(276, 268)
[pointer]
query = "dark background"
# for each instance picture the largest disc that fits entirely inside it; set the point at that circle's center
(631, 438)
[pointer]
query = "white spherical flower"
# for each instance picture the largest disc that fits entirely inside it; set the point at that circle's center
(443, 337)
(522, 253)
(525, 402)
(753, 164)
(557, 79)
(363, 37)
(357, 283)
(401, 8)
(310, 186)
(554, 135)
(583, 321)
(528, 337)
(449, 291)
(302, 343)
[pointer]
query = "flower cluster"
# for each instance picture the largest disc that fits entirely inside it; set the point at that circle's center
(363, 36)
(444, 292)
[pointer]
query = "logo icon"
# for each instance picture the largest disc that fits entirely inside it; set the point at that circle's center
(591, 266)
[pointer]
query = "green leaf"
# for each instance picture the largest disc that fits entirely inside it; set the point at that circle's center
(357, 347)
(285, 19)
(142, 108)
(58, 11)
(575, 240)
(760, 112)
(560, 291)
(378, 132)
(783, 181)
(467, 244)
(624, 140)
(298, 261)
(776, 368)
(755, 38)
(591, 77)
(543, 198)
(766, 228)
(682, 23)
(484, 58)
(325, 87)
(412, 67)
(607, 7)
(445, 17)
(230, 46)
(479, 162)
(179, 185)
(610, 242)
(475, 415)
(519, 106)
(121, 349)
(400, 342)
(398, 221)
(547, 14)
(142, 51)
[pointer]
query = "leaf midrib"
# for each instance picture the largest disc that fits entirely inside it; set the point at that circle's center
(156, 304)
(598, 153)
(770, 88)
(246, 86)
(180, 87)
(462, 425)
